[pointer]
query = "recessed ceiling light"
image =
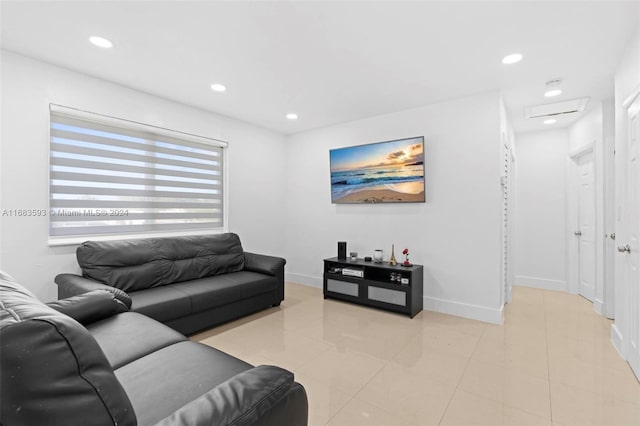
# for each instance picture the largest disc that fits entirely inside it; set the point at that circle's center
(217, 87)
(292, 116)
(100, 42)
(553, 92)
(550, 121)
(512, 59)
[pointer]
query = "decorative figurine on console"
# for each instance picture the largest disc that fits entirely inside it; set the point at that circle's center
(406, 257)
(392, 260)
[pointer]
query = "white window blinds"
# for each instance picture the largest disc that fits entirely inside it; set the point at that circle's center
(118, 178)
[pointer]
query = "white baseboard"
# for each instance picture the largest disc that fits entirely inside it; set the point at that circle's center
(617, 341)
(598, 306)
(309, 280)
(543, 283)
(465, 310)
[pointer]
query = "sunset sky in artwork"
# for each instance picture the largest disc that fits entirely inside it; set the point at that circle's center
(383, 154)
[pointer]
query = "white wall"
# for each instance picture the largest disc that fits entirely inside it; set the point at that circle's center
(587, 131)
(540, 209)
(455, 234)
(256, 163)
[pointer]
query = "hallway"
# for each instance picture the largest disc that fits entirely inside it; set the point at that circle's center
(567, 343)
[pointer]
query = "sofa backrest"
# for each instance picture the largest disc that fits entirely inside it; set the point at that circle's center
(52, 371)
(132, 265)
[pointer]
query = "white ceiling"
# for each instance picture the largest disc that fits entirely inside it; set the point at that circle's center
(332, 62)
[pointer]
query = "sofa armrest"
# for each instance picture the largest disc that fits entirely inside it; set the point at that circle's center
(264, 264)
(265, 395)
(72, 285)
(90, 307)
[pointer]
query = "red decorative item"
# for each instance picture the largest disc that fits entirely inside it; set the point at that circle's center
(406, 257)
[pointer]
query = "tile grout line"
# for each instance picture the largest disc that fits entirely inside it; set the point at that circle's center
(475, 347)
(358, 392)
(386, 363)
(546, 340)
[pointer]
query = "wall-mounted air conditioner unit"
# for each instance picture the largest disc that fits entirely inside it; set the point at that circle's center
(556, 108)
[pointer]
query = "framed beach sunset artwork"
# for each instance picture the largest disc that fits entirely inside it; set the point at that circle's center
(383, 172)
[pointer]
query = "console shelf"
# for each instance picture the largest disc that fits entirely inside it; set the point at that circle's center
(371, 284)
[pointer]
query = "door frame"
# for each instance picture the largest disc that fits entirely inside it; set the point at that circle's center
(572, 222)
(621, 328)
(609, 207)
(508, 178)
(512, 217)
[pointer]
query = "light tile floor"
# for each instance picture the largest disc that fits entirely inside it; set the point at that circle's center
(550, 363)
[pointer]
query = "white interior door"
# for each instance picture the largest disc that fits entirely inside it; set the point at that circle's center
(586, 227)
(631, 248)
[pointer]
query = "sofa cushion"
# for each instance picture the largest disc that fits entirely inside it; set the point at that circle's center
(187, 371)
(129, 336)
(266, 387)
(207, 293)
(53, 371)
(161, 303)
(132, 265)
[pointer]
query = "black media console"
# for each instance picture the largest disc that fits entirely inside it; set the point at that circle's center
(395, 288)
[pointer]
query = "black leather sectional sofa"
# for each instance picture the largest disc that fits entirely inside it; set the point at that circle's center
(188, 283)
(87, 361)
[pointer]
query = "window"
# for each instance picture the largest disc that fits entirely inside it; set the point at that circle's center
(112, 177)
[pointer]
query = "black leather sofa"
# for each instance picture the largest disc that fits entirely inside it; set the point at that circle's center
(86, 361)
(188, 283)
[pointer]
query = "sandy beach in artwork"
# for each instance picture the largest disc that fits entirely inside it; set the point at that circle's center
(381, 196)
(409, 192)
